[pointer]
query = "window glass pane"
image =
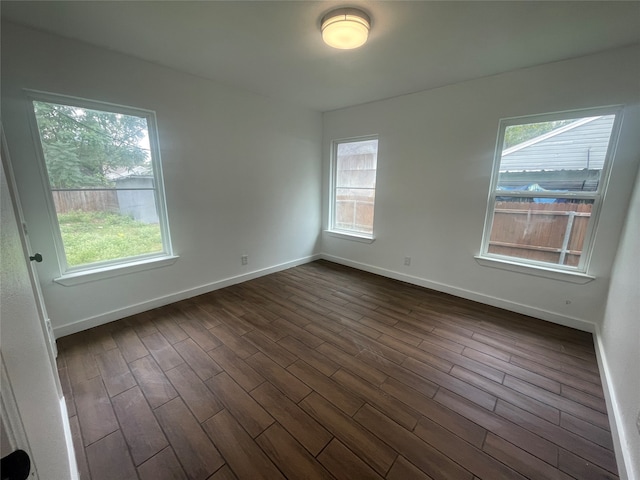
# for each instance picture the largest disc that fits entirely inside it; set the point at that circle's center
(355, 181)
(548, 230)
(558, 156)
(99, 235)
(102, 181)
(354, 209)
(356, 164)
(86, 148)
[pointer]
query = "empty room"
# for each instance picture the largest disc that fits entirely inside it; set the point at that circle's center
(320, 239)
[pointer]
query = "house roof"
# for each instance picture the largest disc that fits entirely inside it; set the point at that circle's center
(577, 146)
(130, 172)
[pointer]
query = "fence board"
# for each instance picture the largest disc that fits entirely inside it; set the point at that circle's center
(85, 201)
(536, 231)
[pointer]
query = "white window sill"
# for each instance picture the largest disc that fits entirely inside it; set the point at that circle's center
(535, 270)
(78, 278)
(350, 236)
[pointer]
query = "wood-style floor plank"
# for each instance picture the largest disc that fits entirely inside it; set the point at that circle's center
(287, 383)
(115, 373)
(167, 326)
(344, 464)
(95, 413)
(198, 456)
(236, 343)
(328, 388)
(224, 473)
(129, 344)
(289, 456)
(156, 386)
(162, 351)
(322, 371)
(313, 357)
(352, 364)
(312, 435)
(520, 460)
(558, 435)
(454, 447)
(403, 469)
(244, 408)
(459, 425)
(139, 427)
(109, 458)
(393, 408)
(201, 363)
(163, 466)
(244, 456)
(368, 447)
(427, 458)
(515, 431)
(81, 367)
(202, 403)
(237, 368)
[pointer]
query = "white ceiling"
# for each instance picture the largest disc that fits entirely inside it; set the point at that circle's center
(274, 48)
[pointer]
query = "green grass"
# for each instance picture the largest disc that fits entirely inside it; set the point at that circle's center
(90, 237)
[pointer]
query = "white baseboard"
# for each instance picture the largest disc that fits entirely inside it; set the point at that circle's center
(68, 436)
(567, 321)
(117, 314)
(618, 432)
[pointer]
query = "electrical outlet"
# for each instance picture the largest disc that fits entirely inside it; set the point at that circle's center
(407, 261)
(244, 259)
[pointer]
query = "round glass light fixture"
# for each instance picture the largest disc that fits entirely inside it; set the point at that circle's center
(345, 28)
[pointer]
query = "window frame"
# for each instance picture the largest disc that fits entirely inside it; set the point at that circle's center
(333, 230)
(73, 275)
(575, 274)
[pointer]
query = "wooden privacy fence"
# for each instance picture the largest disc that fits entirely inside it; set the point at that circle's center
(354, 212)
(85, 201)
(547, 232)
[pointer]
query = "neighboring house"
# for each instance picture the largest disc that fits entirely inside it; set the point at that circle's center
(583, 147)
(134, 187)
(135, 197)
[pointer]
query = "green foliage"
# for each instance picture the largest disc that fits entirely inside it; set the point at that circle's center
(90, 237)
(81, 146)
(517, 134)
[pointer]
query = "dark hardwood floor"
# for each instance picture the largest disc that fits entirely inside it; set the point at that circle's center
(322, 371)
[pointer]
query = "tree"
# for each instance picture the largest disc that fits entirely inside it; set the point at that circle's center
(517, 134)
(82, 146)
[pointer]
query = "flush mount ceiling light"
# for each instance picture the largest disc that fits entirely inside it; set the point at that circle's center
(345, 28)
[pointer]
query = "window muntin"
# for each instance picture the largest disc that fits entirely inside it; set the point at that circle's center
(354, 185)
(103, 172)
(549, 178)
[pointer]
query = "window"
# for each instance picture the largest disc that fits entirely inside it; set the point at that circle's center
(103, 172)
(353, 190)
(549, 179)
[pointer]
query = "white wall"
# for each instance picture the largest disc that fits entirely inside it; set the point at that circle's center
(242, 173)
(619, 339)
(434, 165)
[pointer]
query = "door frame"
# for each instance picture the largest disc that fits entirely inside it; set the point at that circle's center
(30, 403)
